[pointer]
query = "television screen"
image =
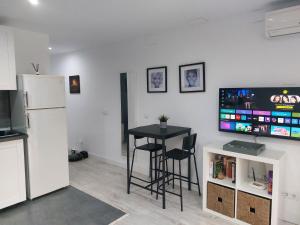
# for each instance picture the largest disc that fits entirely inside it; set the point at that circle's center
(270, 112)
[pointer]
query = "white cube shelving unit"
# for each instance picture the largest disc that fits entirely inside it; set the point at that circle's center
(270, 159)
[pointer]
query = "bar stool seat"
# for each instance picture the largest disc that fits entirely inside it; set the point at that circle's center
(177, 154)
(151, 147)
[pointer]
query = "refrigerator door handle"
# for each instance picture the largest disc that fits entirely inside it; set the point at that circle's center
(28, 120)
(26, 98)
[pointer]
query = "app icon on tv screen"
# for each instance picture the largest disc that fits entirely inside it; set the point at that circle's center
(287, 120)
(295, 132)
(243, 127)
(283, 114)
(261, 129)
(296, 115)
(280, 131)
(280, 120)
(227, 125)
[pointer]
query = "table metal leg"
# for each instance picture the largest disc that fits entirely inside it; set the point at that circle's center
(155, 162)
(164, 173)
(151, 177)
(189, 170)
(128, 172)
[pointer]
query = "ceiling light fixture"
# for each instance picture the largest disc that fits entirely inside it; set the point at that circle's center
(50, 48)
(34, 2)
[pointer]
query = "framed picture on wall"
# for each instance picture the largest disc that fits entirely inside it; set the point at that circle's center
(192, 77)
(74, 83)
(157, 79)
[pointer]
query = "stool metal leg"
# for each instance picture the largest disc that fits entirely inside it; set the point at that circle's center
(151, 177)
(158, 177)
(173, 174)
(197, 175)
(181, 204)
(167, 171)
(131, 169)
(155, 166)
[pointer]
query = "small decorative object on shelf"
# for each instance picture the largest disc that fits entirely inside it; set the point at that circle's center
(163, 121)
(270, 182)
(36, 68)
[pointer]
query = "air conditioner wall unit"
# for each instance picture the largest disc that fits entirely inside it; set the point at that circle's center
(283, 22)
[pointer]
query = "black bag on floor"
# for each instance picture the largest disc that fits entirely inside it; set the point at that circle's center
(74, 157)
(84, 154)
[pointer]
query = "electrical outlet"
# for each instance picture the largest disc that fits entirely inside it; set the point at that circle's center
(290, 196)
(294, 197)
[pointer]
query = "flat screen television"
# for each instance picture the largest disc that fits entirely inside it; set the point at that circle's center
(269, 112)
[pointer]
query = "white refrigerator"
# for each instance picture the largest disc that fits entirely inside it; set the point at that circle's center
(38, 109)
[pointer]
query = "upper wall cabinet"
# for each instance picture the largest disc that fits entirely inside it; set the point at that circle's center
(7, 60)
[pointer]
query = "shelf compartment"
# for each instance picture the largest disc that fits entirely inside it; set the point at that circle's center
(226, 169)
(245, 176)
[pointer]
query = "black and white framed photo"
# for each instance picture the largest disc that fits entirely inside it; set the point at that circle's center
(157, 79)
(192, 77)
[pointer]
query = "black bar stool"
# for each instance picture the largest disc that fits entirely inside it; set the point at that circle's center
(151, 148)
(188, 150)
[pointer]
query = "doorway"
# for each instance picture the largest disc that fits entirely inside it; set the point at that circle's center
(124, 111)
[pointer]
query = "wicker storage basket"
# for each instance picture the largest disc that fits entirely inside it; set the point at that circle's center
(220, 199)
(253, 209)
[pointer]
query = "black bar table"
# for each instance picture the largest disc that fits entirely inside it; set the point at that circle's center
(154, 131)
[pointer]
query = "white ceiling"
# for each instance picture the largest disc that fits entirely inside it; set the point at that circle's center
(76, 24)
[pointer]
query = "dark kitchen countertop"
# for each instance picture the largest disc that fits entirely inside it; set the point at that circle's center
(13, 138)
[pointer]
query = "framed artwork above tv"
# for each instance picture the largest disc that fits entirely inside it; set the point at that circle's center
(268, 112)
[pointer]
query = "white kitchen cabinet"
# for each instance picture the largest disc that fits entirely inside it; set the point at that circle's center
(12, 173)
(7, 60)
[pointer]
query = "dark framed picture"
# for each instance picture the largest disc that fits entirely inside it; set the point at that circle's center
(192, 77)
(74, 83)
(157, 80)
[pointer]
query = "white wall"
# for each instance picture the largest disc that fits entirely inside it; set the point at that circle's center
(94, 115)
(237, 55)
(31, 47)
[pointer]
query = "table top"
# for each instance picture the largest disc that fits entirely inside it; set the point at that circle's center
(154, 131)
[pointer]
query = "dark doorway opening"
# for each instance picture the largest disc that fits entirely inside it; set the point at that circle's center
(124, 111)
